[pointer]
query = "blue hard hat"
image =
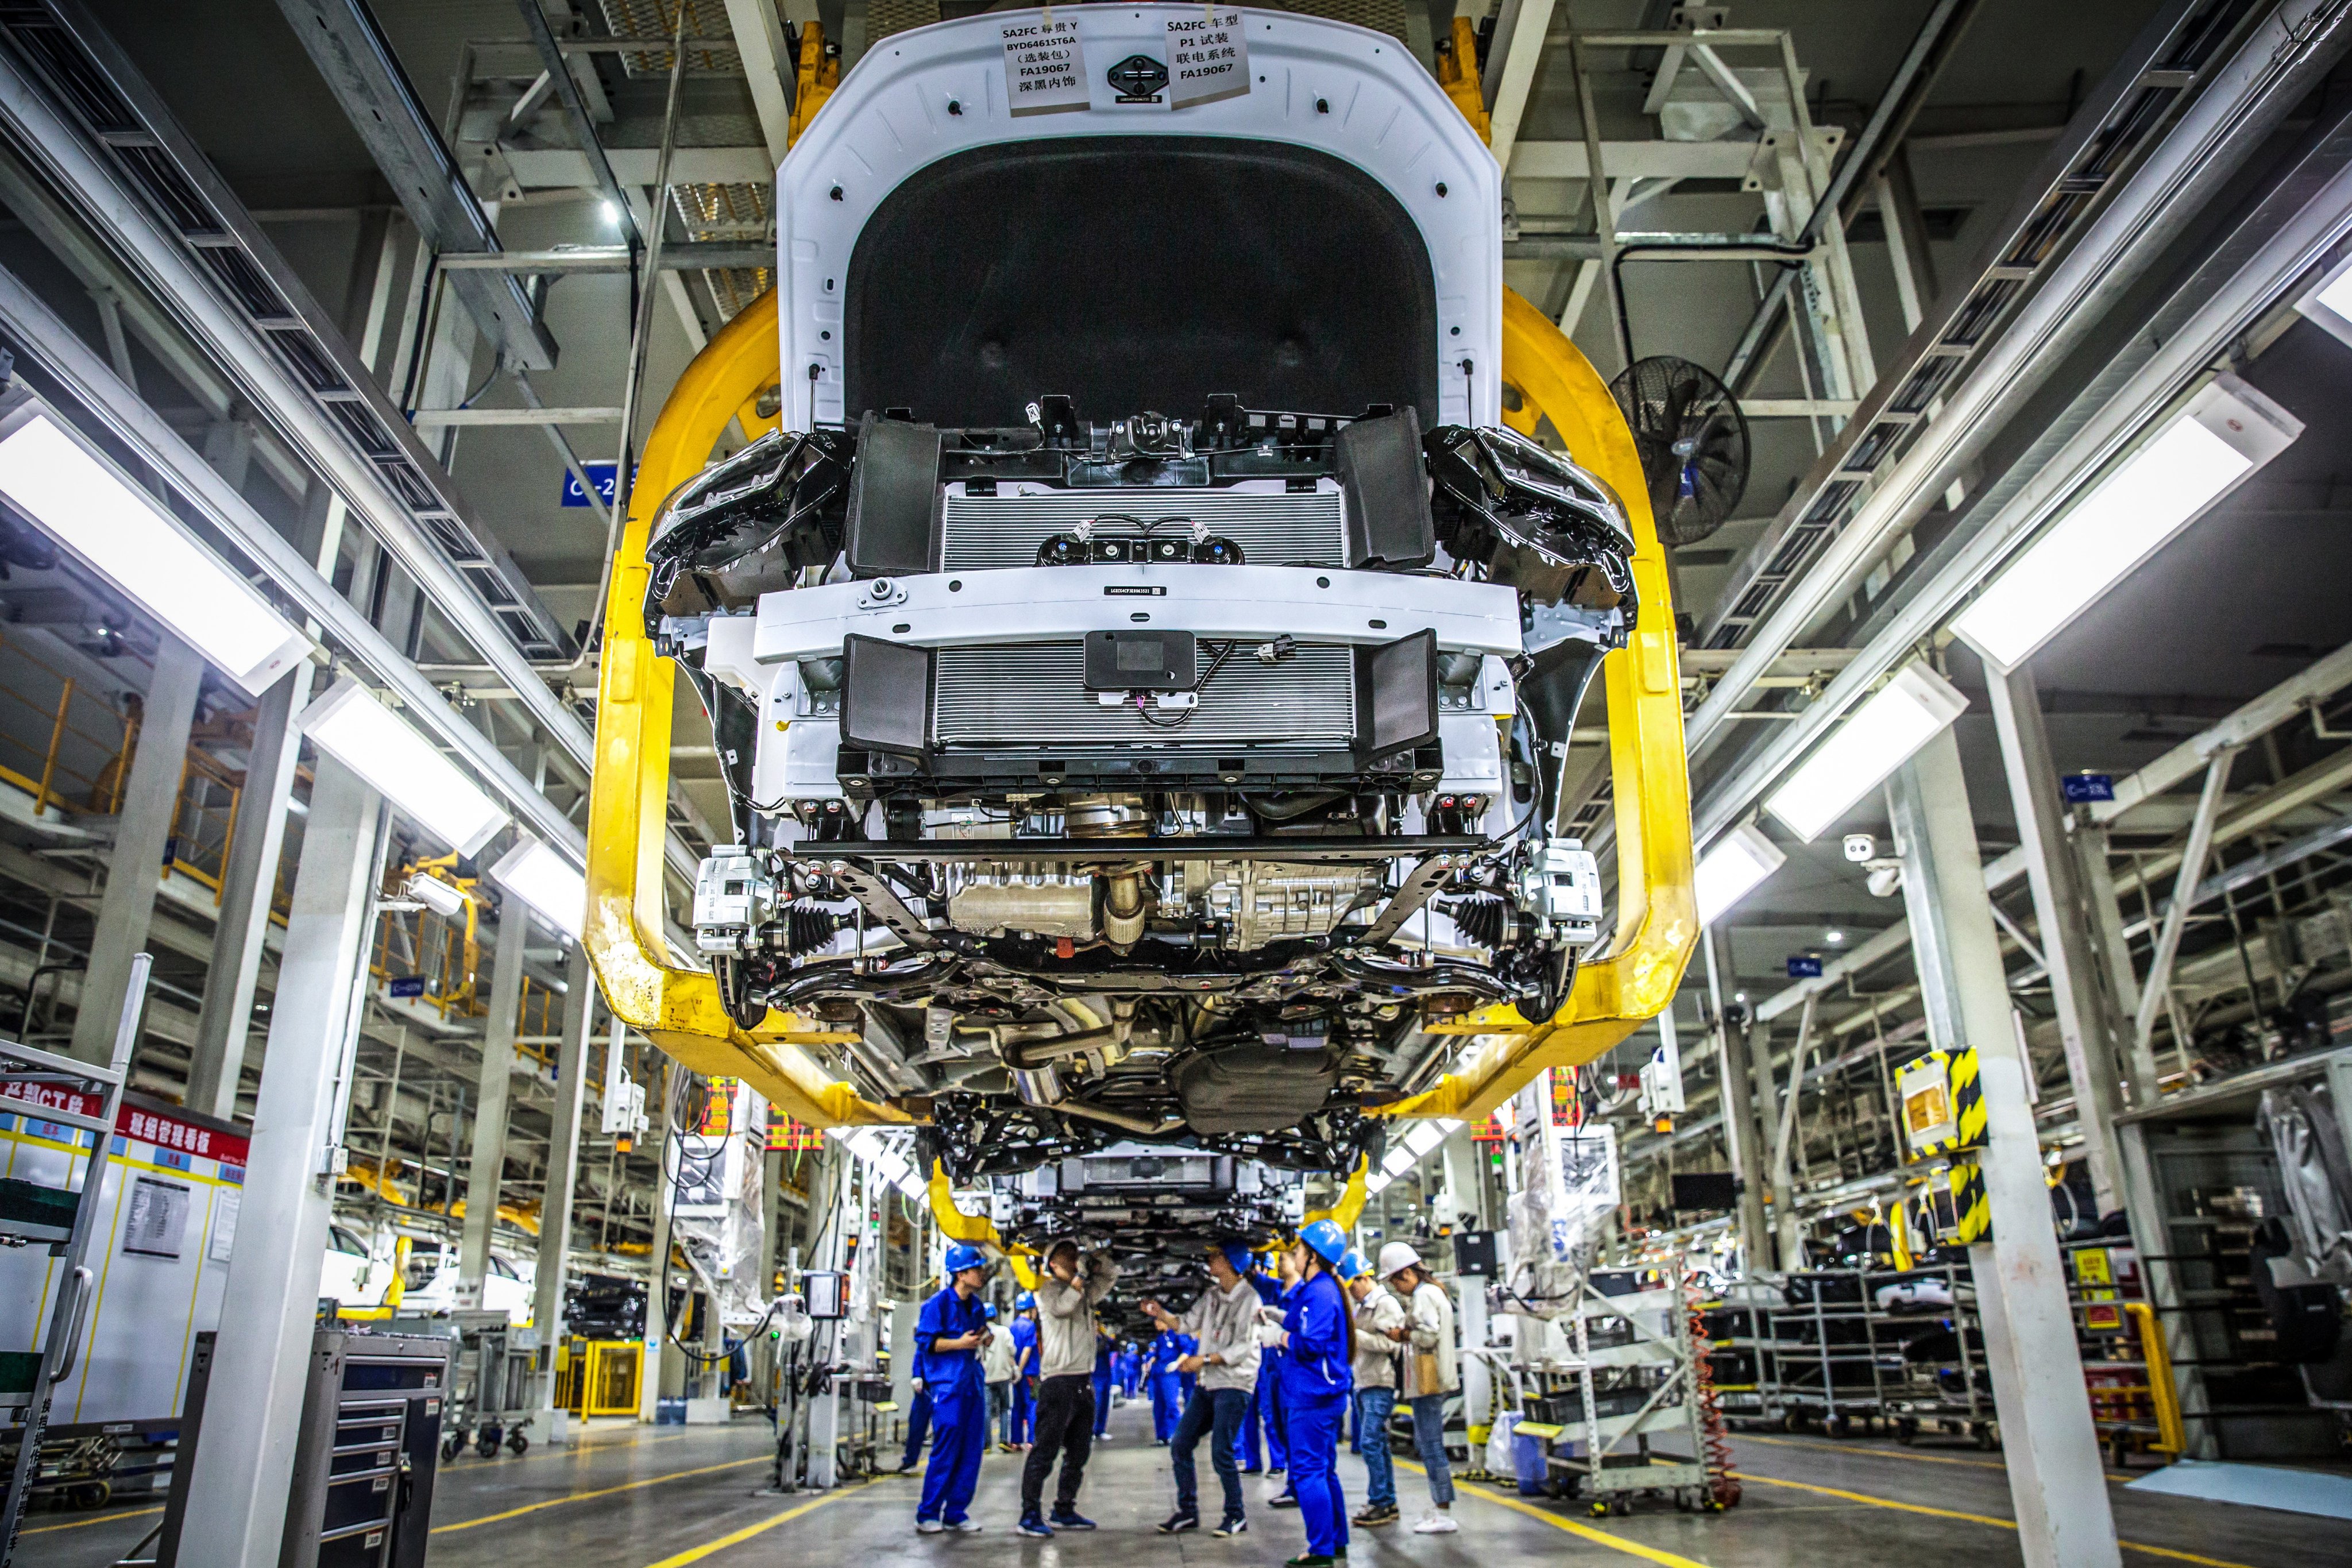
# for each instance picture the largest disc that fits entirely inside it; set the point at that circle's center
(1237, 1253)
(1023, 1302)
(1325, 1240)
(1353, 1266)
(990, 1311)
(963, 1255)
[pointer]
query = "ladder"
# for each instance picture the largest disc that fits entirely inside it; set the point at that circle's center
(60, 1218)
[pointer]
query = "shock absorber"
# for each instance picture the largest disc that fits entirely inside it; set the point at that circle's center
(1722, 1481)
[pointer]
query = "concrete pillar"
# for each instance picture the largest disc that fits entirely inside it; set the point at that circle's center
(248, 881)
(562, 1180)
(2056, 1479)
(236, 1508)
(490, 1100)
(2090, 1029)
(151, 798)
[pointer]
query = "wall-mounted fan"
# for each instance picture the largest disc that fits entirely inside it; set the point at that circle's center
(1693, 440)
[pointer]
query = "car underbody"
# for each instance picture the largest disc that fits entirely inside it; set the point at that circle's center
(1160, 778)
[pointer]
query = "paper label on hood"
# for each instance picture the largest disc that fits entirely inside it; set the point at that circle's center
(1045, 65)
(1207, 57)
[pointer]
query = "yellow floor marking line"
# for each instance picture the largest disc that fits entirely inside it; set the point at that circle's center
(2173, 1553)
(101, 1519)
(601, 1491)
(1573, 1526)
(696, 1553)
(1895, 1454)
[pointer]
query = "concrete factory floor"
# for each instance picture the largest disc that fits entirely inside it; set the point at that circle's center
(631, 1497)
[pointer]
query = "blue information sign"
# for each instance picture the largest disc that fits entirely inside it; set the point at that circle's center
(1804, 968)
(601, 472)
(2080, 789)
(407, 986)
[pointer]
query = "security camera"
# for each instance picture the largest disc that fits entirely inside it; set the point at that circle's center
(1860, 847)
(436, 895)
(1886, 878)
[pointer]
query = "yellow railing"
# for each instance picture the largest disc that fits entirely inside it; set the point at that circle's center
(83, 751)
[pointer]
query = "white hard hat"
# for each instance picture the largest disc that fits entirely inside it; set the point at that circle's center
(1398, 1255)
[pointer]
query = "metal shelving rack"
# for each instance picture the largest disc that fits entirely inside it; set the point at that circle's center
(62, 1219)
(1800, 1377)
(1646, 1351)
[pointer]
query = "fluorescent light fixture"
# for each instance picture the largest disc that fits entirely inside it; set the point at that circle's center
(2330, 304)
(1377, 1184)
(555, 890)
(139, 547)
(1397, 1160)
(1732, 869)
(2227, 431)
(1881, 733)
(1423, 1136)
(350, 726)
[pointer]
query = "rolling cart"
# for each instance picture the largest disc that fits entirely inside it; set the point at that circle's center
(491, 1372)
(79, 1099)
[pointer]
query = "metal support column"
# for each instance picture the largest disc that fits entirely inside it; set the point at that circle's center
(236, 1508)
(248, 882)
(2175, 923)
(492, 1093)
(2089, 1026)
(562, 1182)
(649, 1379)
(2056, 1476)
(150, 799)
(1743, 1133)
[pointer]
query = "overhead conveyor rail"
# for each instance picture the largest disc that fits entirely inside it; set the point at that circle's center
(83, 73)
(2132, 108)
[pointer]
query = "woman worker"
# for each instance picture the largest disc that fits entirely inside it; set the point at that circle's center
(1317, 1338)
(949, 1337)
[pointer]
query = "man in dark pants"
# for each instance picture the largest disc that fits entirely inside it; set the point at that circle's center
(1066, 1385)
(1223, 1323)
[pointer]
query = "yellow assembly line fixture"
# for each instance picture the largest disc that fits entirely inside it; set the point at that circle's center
(681, 1008)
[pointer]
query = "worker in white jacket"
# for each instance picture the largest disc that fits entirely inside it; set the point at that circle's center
(1379, 1316)
(1067, 1294)
(1222, 1320)
(1430, 1373)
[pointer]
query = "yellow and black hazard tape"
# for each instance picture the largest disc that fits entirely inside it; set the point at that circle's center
(1971, 1205)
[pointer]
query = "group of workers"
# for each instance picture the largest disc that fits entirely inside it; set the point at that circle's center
(1296, 1354)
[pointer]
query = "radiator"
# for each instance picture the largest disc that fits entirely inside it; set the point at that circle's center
(1033, 694)
(981, 532)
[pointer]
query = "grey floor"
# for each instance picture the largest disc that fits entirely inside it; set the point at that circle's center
(664, 1498)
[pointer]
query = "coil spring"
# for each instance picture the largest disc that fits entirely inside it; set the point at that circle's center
(1483, 919)
(1722, 1481)
(805, 929)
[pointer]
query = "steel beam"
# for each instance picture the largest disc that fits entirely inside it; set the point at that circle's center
(2088, 1022)
(1511, 70)
(82, 371)
(1886, 493)
(563, 1184)
(249, 883)
(2057, 1480)
(1744, 1128)
(142, 828)
(487, 1171)
(767, 58)
(2291, 228)
(2176, 917)
(361, 68)
(576, 114)
(243, 1469)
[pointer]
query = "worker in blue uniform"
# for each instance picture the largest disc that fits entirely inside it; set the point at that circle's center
(1102, 1383)
(918, 1426)
(1024, 1366)
(1131, 1370)
(1167, 1385)
(949, 1335)
(1265, 1410)
(1317, 1338)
